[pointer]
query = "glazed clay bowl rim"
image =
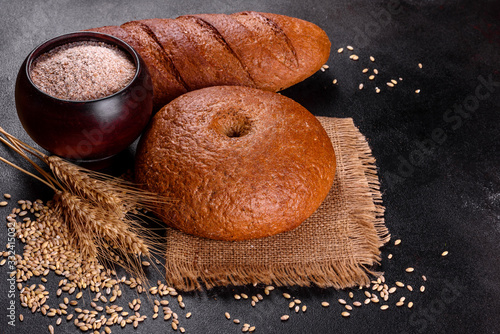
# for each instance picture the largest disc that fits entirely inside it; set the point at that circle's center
(82, 36)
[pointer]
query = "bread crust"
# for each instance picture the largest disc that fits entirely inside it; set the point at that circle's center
(261, 50)
(240, 163)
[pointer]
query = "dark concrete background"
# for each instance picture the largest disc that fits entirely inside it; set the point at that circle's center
(442, 195)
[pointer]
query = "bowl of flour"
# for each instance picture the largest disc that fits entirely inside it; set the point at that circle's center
(84, 96)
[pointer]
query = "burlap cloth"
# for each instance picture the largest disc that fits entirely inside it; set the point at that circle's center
(338, 246)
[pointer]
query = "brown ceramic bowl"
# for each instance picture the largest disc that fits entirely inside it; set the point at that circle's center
(85, 130)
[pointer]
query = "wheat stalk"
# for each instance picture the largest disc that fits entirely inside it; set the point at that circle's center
(96, 208)
(112, 193)
(112, 235)
(83, 185)
(116, 232)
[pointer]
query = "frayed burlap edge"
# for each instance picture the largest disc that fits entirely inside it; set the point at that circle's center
(367, 225)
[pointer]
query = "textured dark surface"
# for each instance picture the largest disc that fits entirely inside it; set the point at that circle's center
(441, 196)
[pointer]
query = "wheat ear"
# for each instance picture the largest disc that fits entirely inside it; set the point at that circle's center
(95, 207)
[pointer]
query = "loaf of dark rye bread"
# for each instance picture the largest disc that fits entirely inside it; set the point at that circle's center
(260, 50)
(238, 162)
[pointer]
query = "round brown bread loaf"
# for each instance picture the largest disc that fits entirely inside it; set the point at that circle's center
(242, 163)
